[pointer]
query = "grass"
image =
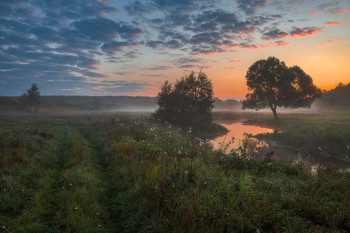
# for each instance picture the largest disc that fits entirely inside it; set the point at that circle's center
(126, 173)
(326, 135)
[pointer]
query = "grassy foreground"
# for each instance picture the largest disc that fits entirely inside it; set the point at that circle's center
(129, 174)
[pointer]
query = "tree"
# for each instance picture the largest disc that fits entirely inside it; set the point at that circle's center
(273, 85)
(31, 98)
(188, 102)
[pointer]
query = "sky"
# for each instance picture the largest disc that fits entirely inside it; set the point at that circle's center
(130, 47)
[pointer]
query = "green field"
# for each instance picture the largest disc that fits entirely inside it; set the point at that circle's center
(128, 173)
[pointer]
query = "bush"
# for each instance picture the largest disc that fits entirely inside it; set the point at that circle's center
(187, 103)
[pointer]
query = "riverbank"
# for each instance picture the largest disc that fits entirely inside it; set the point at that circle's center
(323, 137)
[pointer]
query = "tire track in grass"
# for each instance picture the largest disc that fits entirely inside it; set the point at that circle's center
(81, 210)
(103, 171)
(41, 214)
(67, 200)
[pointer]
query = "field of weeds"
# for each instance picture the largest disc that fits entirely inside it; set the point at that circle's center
(127, 173)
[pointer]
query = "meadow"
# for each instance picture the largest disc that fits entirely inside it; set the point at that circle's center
(129, 173)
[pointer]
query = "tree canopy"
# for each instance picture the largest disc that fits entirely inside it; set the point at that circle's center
(273, 84)
(31, 97)
(188, 102)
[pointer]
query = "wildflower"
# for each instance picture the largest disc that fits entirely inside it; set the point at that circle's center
(186, 172)
(76, 208)
(99, 225)
(97, 213)
(70, 184)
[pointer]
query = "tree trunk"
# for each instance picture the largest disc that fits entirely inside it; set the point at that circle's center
(274, 113)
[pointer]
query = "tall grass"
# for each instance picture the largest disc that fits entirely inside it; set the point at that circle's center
(130, 174)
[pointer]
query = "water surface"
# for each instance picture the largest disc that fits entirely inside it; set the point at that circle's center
(236, 131)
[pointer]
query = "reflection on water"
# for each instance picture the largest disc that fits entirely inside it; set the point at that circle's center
(236, 131)
(261, 148)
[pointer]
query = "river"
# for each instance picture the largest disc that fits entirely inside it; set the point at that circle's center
(237, 129)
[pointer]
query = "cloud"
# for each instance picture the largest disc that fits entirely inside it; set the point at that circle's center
(313, 13)
(281, 43)
(250, 6)
(186, 60)
(334, 23)
(304, 32)
(158, 68)
(234, 61)
(114, 47)
(171, 44)
(209, 50)
(124, 86)
(332, 43)
(188, 66)
(274, 34)
(332, 7)
(138, 8)
(152, 75)
(103, 29)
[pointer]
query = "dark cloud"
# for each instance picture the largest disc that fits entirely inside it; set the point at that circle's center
(171, 44)
(157, 68)
(250, 6)
(332, 7)
(306, 31)
(116, 46)
(189, 66)
(152, 75)
(138, 8)
(74, 9)
(274, 34)
(186, 60)
(103, 29)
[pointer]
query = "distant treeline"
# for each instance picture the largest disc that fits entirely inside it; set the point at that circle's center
(335, 99)
(100, 103)
(82, 103)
